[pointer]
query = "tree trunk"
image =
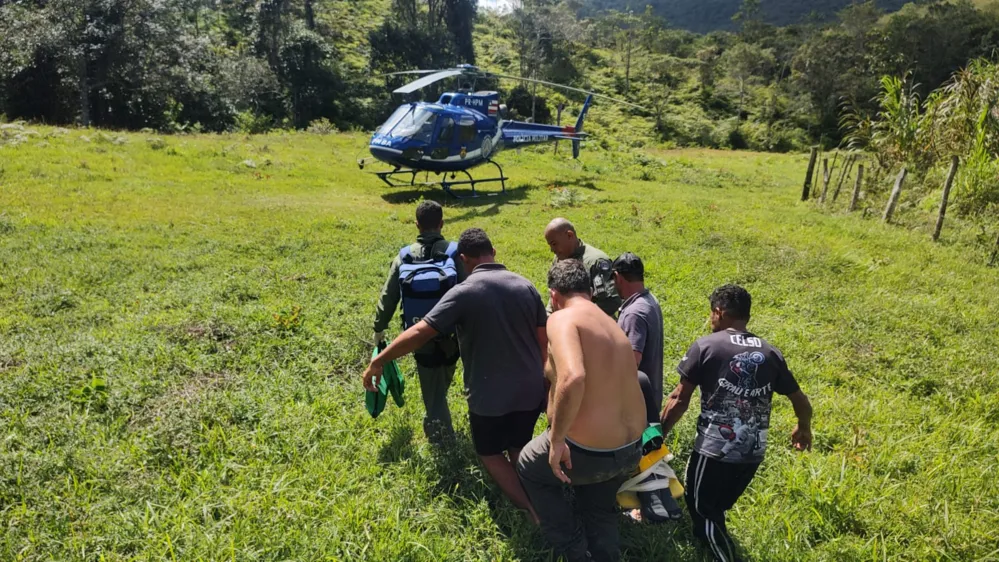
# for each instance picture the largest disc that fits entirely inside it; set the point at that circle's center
(534, 95)
(742, 95)
(627, 65)
(84, 93)
(310, 15)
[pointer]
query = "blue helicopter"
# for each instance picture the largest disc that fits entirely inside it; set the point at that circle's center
(462, 130)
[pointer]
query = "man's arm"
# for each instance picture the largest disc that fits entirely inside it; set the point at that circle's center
(407, 342)
(801, 437)
(567, 355)
(677, 404)
(542, 335)
(567, 352)
(388, 302)
(637, 330)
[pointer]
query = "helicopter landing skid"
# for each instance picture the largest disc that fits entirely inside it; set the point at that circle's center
(392, 179)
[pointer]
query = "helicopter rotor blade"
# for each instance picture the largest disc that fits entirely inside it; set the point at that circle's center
(570, 88)
(427, 80)
(404, 72)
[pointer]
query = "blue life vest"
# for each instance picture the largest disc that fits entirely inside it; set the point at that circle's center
(424, 282)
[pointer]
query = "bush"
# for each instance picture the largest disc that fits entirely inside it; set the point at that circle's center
(322, 127)
(251, 123)
(565, 197)
(727, 134)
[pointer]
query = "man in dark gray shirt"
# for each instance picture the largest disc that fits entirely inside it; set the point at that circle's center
(500, 322)
(642, 321)
(738, 373)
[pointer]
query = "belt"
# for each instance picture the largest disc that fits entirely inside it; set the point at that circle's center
(611, 453)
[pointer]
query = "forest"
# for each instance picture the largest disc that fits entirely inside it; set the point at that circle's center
(754, 81)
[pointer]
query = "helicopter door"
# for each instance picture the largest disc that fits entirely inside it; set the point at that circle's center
(469, 136)
(446, 137)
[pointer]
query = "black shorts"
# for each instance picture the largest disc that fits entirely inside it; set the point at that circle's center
(492, 435)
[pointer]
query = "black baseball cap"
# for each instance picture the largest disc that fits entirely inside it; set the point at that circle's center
(630, 265)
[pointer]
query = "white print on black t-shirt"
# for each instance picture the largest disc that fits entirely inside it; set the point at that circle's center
(751, 341)
(744, 392)
(737, 415)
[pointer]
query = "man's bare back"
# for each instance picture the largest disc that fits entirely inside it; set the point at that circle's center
(612, 410)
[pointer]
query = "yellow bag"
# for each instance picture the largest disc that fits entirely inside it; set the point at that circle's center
(656, 462)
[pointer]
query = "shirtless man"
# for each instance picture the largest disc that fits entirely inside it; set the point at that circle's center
(596, 416)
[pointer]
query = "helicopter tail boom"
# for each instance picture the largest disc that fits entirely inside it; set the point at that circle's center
(579, 124)
(519, 133)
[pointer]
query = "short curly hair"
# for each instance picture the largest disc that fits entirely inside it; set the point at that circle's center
(569, 276)
(733, 300)
(474, 243)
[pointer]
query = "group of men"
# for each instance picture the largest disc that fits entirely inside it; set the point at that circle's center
(600, 381)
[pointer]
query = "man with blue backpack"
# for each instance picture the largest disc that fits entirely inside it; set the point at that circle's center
(419, 276)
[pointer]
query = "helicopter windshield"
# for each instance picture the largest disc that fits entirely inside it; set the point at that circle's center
(412, 121)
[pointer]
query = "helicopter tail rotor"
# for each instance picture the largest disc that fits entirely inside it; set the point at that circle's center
(579, 125)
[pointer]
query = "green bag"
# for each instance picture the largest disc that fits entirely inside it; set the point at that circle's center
(392, 382)
(652, 438)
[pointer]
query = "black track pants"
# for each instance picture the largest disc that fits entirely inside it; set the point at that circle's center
(712, 488)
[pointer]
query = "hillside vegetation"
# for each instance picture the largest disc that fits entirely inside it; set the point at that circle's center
(183, 323)
(705, 16)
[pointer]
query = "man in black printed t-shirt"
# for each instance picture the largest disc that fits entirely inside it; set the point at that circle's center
(738, 373)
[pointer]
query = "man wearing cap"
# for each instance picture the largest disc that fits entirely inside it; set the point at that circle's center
(641, 319)
(565, 244)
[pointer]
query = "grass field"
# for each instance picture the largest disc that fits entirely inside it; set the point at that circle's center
(182, 326)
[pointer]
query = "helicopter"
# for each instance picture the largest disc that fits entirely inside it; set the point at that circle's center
(462, 130)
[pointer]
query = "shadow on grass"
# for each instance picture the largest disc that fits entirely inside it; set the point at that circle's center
(585, 183)
(463, 478)
(487, 197)
(399, 447)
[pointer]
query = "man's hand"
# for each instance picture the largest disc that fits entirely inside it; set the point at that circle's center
(372, 376)
(558, 453)
(801, 438)
(379, 338)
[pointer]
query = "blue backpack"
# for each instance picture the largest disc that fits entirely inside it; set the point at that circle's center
(424, 282)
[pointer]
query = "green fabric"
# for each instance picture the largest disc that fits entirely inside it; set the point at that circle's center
(392, 382)
(604, 292)
(652, 438)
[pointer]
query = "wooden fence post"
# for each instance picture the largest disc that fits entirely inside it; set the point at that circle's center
(808, 174)
(826, 173)
(815, 179)
(850, 161)
(946, 193)
(856, 187)
(893, 200)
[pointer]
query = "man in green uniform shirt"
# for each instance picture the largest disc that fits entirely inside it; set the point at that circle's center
(436, 360)
(564, 243)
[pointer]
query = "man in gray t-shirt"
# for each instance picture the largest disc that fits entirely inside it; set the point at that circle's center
(500, 322)
(642, 321)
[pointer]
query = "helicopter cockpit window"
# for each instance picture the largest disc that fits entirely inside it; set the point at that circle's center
(447, 130)
(467, 129)
(410, 122)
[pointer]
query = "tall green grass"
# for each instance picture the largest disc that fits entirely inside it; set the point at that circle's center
(182, 326)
